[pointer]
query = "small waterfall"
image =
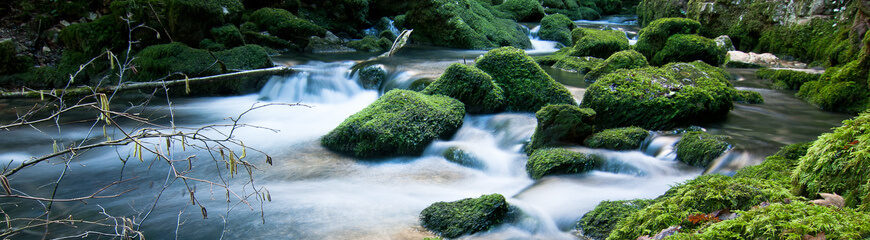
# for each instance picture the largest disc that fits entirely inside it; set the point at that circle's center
(661, 146)
(317, 82)
(538, 45)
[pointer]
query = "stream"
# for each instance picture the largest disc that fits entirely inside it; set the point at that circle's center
(318, 194)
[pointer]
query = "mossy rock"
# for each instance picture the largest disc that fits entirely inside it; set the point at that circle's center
(526, 86)
(561, 124)
(466, 216)
(748, 97)
(785, 78)
(689, 48)
(676, 94)
(627, 138)
(371, 44)
(795, 220)
(702, 195)
(599, 222)
(557, 27)
(578, 64)
(598, 43)
(651, 39)
(471, 86)
(188, 20)
(842, 89)
(838, 163)
(399, 123)
(228, 35)
(551, 161)
(106, 32)
(522, 10)
(252, 35)
(462, 24)
(628, 59)
(372, 77)
(700, 148)
(283, 24)
(338, 16)
(10, 61)
(462, 157)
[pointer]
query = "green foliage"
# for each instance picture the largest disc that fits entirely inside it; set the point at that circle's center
(400, 122)
(701, 195)
(598, 43)
(522, 10)
(285, 25)
(838, 163)
(777, 168)
(561, 123)
(471, 86)
(785, 78)
(841, 89)
(628, 59)
(228, 35)
(627, 138)
(820, 40)
(253, 36)
(466, 216)
(689, 48)
(747, 96)
(599, 222)
(551, 161)
(462, 24)
(654, 37)
(57, 76)
(188, 20)
(794, 151)
(653, 98)
(10, 61)
(700, 148)
(107, 32)
(557, 27)
(371, 44)
(526, 86)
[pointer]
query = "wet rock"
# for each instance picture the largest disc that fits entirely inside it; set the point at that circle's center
(462, 157)
(522, 10)
(628, 59)
(725, 43)
(471, 86)
(764, 59)
(652, 39)
(552, 161)
(689, 48)
(628, 138)
(700, 148)
(791, 79)
(598, 43)
(466, 216)
(561, 124)
(328, 44)
(557, 27)
(371, 44)
(372, 77)
(526, 86)
(283, 24)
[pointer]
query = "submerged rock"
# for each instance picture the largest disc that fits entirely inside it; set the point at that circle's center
(466, 216)
(561, 124)
(526, 86)
(700, 148)
(628, 59)
(628, 138)
(462, 157)
(552, 161)
(471, 86)
(372, 77)
(598, 43)
(399, 123)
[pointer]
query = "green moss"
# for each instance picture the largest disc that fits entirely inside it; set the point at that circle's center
(253, 36)
(228, 35)
(371, 44)
(701, 195)
(560, 124)
(598, 43)
(589, 13)
(777, 168)
(555, 57)
(551, 161)
(526, 86)
(839, 89)
(522, 10)
(466, 216)
(372, 77)
(107, 32)
(838, 163)
(578, 64)
(210, 45)
(462, 157)
(285, 25)
(794, 151)
(400, 122)
(689, 48)
(819, 40)
(747, 96)
(785, 78)
(471, 86)
(700, 148)
(338, 16)
(599, 222)
(557, 27)
(674, 95)
(188, 20)
(628, 59)
(10, 61)
(627, 138)
(651, 39)
(462, 24)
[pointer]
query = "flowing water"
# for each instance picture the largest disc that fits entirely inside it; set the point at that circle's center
(317, 194)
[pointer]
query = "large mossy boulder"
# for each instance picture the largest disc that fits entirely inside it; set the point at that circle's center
(627, 138)
(561, 124)
(400, 122)
(371, 44)
(526, 86)
(841, 89)
(700, 148)
(283, 24)
(598, 43)
(522, 10)
(702, 195)
(228, 35)
(599, 222)
(471, 86)
(190, 20)
(338, 16)
(551, 161)
(557, 27)
(628, 59)
(563, 60)
(787, 78)
(106, 32)
(466, 216)
(838, 162)
(651, 39)
(653, 98)
(689, 48)
(462, 24)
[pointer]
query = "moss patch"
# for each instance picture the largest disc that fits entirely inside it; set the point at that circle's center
(556, 27)
(653, 38)
(283, 24)
(700, 148)
(189, 20)
(561, 124)
(552, 161)
(466, 216)
(786, 79)
(599, 222)
(526, 86)
(627, 138)
(462, 24)
(471, 86)
(371, 44)
(689, 48)
(598, 43)
(522, 10)
(628, 59)
(842, 89)
(747, 96)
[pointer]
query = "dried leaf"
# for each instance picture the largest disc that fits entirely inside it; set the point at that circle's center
(820, 236)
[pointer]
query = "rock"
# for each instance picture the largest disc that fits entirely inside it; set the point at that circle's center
(399, 123)
(598, 43)
(466, 216)
(283, 24)
(700, 148)
(462, 157)
(561, 124)
(97, 36)
(526, 86)
(462, 24)
(557, 27)
(253, 35)
(471, 86)
(228, 35)
(651, 39)
(347, 18)
(689, 48)
(578, 64)
(10, 61)
(46, 49)
(748, 97)
(724, 42)
(628, 59)
(599, 222)
(787, 78)
(328, 44)
(628, 138)
(551, 161)
(371, 44)
(522, 10)
(372, 77)
(189, 20)
(765, 60)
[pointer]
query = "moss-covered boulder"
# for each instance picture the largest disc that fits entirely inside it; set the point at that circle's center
(599, 222)
(689, 48)
(627, 138)
(651, 39)
(550, 161)
(561, 124)
(557, 27)
(838, 163)
(372, 77)
(228, 35)
(786, 78)
(283, 24)
(748, 97)
(702, 195)
(466, 216)
(106, 32)
(400, 122)
(628, 59)
(344, 17)
(522, 10)
(471, 86)
(598, 43)
(563, 60)
(371, 44)
(462, 24)
(526, 86)
(653, 98)
(700, 148)
(189, 20)
(841, 89)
